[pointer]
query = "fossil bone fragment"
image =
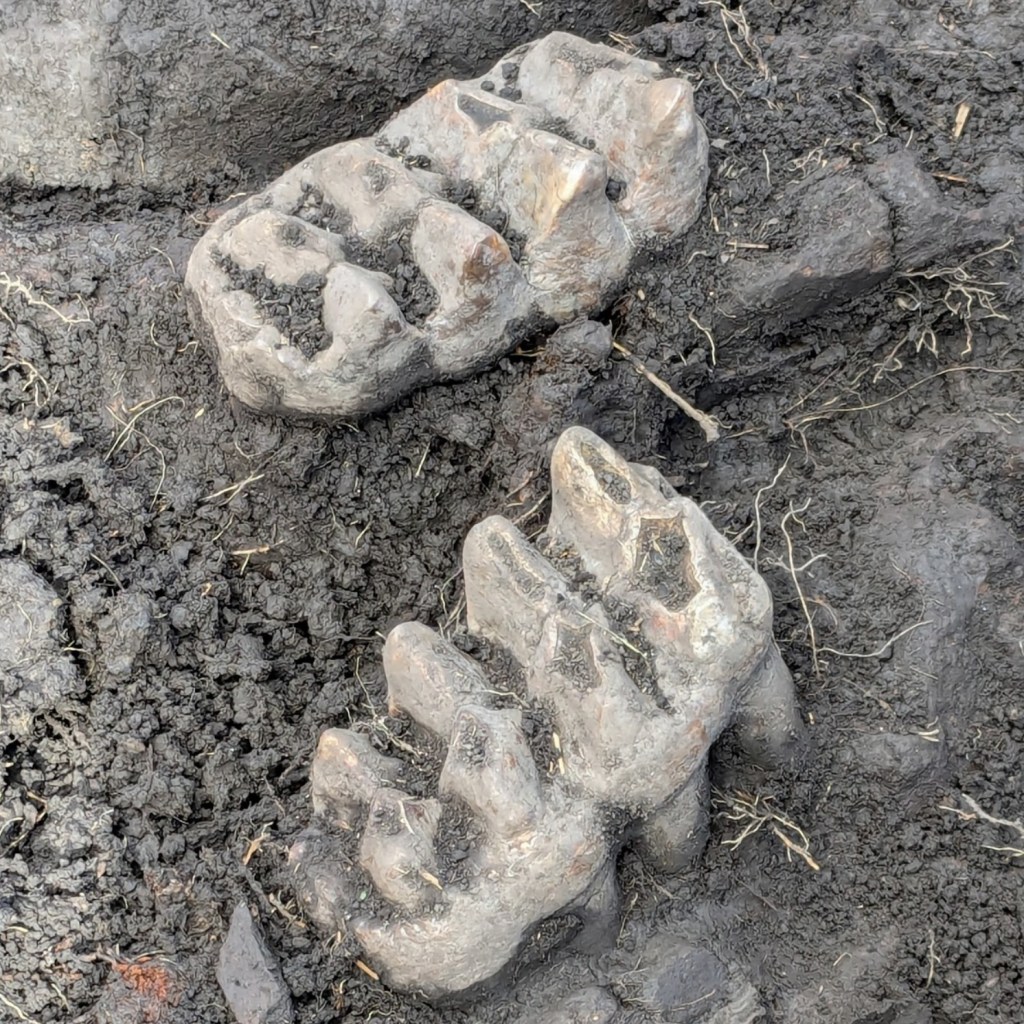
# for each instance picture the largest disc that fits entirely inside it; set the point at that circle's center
(483, 211)
(636, 635)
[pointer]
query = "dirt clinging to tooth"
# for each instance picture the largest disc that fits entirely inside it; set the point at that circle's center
(225, 579)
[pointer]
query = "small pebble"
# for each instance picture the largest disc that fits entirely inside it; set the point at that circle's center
(615, 190)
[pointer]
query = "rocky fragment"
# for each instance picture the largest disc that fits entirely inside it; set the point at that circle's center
(681, 983)
(843, 247)
(123, 632)
(927, 226)
(249, 975)
(844, 993)
(35, 671)
(852, 228)
(482, 211)
(622, 647)
(56, 73)
(131, 94)
(591, 1005)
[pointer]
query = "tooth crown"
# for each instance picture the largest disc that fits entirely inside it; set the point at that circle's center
(639, 635)
(580, 158)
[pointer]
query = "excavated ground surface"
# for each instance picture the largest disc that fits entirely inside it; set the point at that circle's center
(227, 579)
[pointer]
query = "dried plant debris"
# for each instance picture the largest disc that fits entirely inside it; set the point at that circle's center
(482, 212)
(549, 768)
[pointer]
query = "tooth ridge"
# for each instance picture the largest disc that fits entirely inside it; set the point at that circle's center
(531, 160)
(602, 748)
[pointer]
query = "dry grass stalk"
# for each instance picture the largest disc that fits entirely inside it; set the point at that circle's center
(702, 419)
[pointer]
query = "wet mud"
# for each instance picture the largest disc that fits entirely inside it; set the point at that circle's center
(209, 589)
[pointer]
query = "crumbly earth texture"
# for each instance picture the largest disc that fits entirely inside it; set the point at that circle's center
(225, 579)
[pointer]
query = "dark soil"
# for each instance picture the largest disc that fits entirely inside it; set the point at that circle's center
(412, 292)
(227, 579)
(296, 311)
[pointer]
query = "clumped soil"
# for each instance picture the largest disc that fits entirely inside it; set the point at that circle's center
(412, 292)
(295, 310)
(227, 578)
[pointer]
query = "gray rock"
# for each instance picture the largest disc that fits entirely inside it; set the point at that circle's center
(928, 226)
(101, 92)
(35, 673)
(590, 1005)
(123, 632)
(843, 247)
(900, 1013)
(897, 759)
(680, 983)
(852, 229)
(249, 975)
(56, 117)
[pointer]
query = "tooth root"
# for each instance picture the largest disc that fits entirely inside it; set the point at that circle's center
(397, 849)
(767, 721)
(428, 678)
(510, 588)
(673, 837)
(599, 917)
(490, 767)
(345, 774)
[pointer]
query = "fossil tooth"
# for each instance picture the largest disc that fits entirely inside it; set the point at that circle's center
(563, 179)
(631, 640)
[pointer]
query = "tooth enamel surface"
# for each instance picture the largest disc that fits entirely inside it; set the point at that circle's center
(585, 708)
(397, 848)
(287, 247)
(346, 773)
(589, 155)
